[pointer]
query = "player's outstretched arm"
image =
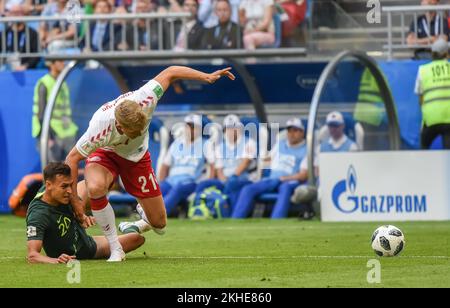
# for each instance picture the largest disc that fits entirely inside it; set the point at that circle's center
(172, 73)
(34, 254)
(73, 159)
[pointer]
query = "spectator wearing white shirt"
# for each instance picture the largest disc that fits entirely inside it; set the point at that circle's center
(337, 142)
(233, 158)
(56, 35)
(256, 17)
(184, 164)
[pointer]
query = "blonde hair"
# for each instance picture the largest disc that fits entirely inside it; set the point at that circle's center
(130, 115)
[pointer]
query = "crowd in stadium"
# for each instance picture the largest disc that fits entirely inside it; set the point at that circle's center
(214, 24)
(229, 173)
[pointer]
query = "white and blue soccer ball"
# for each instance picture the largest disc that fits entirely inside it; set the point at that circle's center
(388, 241)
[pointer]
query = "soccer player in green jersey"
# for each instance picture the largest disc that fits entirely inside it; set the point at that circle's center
(51, 224)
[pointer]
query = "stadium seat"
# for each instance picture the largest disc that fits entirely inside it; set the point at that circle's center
(34, 25)
(278, 35)
(437, 144)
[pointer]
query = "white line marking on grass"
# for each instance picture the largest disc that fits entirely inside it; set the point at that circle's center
(269, 257)
(292, 257)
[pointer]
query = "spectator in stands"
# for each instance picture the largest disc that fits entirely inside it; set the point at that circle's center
(432, 86)
(123, 6)
(208, 16)
(430, 27)
(184, 164)
(293, 14)
(100, 32)
(286, 173)
(56, 35)
(191, 35)
(25, 6)
(336, 142)
(63, 130)
(173, 6)
(226, 35)
(233, 157)
(146, 41)
(256, 17)
(19, 45)
(38, 6)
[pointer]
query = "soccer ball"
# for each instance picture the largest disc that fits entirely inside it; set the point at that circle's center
(388, 241)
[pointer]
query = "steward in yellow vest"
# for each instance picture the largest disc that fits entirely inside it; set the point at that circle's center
(63, 130)
(433, 88)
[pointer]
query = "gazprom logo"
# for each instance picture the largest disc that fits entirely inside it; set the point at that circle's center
(347, 200)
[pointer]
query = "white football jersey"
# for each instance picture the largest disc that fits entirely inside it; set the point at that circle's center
(102, 132)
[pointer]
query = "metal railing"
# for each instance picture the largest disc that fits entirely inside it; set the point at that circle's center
(402, 11)
(121, 26)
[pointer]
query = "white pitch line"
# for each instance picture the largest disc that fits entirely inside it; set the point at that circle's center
(11, 258)
(269, 257)
(293, 257)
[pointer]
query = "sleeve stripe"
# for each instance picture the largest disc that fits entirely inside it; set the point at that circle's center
(82, 152)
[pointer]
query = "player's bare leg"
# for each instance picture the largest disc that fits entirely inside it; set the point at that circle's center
(129, 242)
(154, 213)
(83, 193)
(98, 181)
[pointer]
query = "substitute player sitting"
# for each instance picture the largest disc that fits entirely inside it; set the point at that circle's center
(116, 143)
(51, 224)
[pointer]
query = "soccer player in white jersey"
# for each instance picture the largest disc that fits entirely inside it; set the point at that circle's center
(116, 143)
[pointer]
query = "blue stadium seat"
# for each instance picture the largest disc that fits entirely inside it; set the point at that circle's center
(437, 144)
(278, 34)
(34, 25)
(121, 198)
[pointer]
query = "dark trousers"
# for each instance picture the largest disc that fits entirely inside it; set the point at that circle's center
(429, 133)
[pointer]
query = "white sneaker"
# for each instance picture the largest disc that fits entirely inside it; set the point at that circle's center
(117, 255)
(139, 227)
(141, 213)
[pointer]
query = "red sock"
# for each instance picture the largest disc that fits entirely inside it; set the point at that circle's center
(99, 204)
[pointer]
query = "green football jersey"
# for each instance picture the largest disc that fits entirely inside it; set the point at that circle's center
(57, 227)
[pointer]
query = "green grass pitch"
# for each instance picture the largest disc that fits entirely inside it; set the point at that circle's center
(248, 253)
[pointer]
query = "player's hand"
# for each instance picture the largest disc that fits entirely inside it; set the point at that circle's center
(63, 259)
(213, 77)
(88, 221)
